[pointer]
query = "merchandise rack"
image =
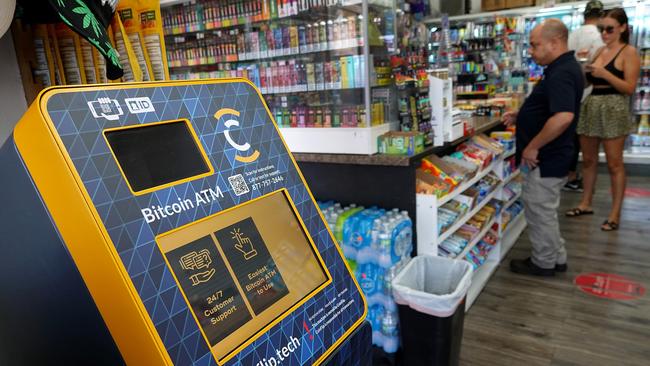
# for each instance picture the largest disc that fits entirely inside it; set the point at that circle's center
(512, 201)
(476, 239)
(427, 212)
(481, 276)
(462, 220)
(341, 72)
(464, 186)
(426, 224)
(511, 232)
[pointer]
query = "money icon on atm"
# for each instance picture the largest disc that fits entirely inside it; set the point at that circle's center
(107, 108)
(196, 261)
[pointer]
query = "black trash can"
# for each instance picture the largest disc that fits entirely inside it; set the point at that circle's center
(430, 293)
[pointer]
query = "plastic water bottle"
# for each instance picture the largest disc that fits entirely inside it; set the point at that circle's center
(375, 243)
(385, 244)
(403, 238)
(388, 301)
(375, 316)
(370, 281)
(389, 324)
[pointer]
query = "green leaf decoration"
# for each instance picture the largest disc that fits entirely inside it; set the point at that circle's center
(61, 4)
(89, 18)
(111, 53)
(66, 21)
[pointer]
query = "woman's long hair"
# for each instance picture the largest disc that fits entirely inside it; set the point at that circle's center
(620, 16)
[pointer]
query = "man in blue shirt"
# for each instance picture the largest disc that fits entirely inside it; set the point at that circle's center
(546, 126)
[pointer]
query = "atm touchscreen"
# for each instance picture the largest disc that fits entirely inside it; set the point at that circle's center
(244, 269)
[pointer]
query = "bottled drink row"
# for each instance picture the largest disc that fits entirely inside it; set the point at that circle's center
(327, 116)
(295, 76)
(290, 40)
(226, 13)
(267, 42)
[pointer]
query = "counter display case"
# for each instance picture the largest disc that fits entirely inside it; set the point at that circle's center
(322, 65)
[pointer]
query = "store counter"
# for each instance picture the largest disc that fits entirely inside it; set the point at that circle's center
(374, 180)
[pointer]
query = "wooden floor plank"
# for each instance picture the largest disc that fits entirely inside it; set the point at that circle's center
(521, 320)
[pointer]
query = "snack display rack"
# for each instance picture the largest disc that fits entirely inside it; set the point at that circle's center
(500, 209)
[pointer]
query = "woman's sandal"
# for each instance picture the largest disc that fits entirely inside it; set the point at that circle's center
(609, 226)
(575, 212)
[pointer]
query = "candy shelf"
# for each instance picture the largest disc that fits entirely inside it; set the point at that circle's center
(512, 200)
(481, 276)
(452, 229)
(427, 223)
(464, 186)
(477, 238)
(511, 233)
(427, 212)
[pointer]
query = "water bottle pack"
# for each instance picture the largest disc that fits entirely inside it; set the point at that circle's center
(376, 243)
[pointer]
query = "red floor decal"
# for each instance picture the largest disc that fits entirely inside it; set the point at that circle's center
(610, 286)
(637, 192)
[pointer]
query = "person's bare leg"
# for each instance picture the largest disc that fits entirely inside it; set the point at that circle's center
(589, 146)
(614, 152)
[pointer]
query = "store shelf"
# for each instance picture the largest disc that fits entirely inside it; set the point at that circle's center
(481, 277)
(477, 239)
(464, 186)
(284, 53)
(511, 233)
(512, 200)
(452, 229)
(352, 44)
(629, 158)
(481, 124)
(511, 177)
(473, 93)
(304, 89)
(340, 140)
(509, 153)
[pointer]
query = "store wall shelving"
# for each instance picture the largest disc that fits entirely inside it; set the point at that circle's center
(322, 65)
(474, 25)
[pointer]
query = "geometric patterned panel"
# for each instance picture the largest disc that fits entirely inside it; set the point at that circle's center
(133, 237)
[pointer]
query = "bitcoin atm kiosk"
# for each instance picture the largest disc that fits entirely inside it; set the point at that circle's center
(165, 224)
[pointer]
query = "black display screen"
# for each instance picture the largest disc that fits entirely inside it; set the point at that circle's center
(154, 155)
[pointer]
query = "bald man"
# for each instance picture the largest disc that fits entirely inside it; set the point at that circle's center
(546, 126)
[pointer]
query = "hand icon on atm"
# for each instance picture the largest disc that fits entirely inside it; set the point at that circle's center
(202, 277)
(243, 244)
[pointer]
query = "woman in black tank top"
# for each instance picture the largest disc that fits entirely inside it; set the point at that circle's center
(605, 114)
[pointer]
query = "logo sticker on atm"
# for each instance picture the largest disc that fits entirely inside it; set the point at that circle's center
(244, 149)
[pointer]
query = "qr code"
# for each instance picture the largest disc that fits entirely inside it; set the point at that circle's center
(238, 184)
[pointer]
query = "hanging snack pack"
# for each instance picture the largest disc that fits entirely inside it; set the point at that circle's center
(88, 60)
(44, 67)
(130, 43)
(70, 53)
(153, 36)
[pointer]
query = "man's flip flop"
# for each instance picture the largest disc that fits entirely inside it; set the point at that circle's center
(575, 212)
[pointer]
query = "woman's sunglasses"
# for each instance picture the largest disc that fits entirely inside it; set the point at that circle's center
(609, 29)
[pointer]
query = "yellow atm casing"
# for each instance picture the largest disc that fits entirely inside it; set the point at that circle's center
(183, 223)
